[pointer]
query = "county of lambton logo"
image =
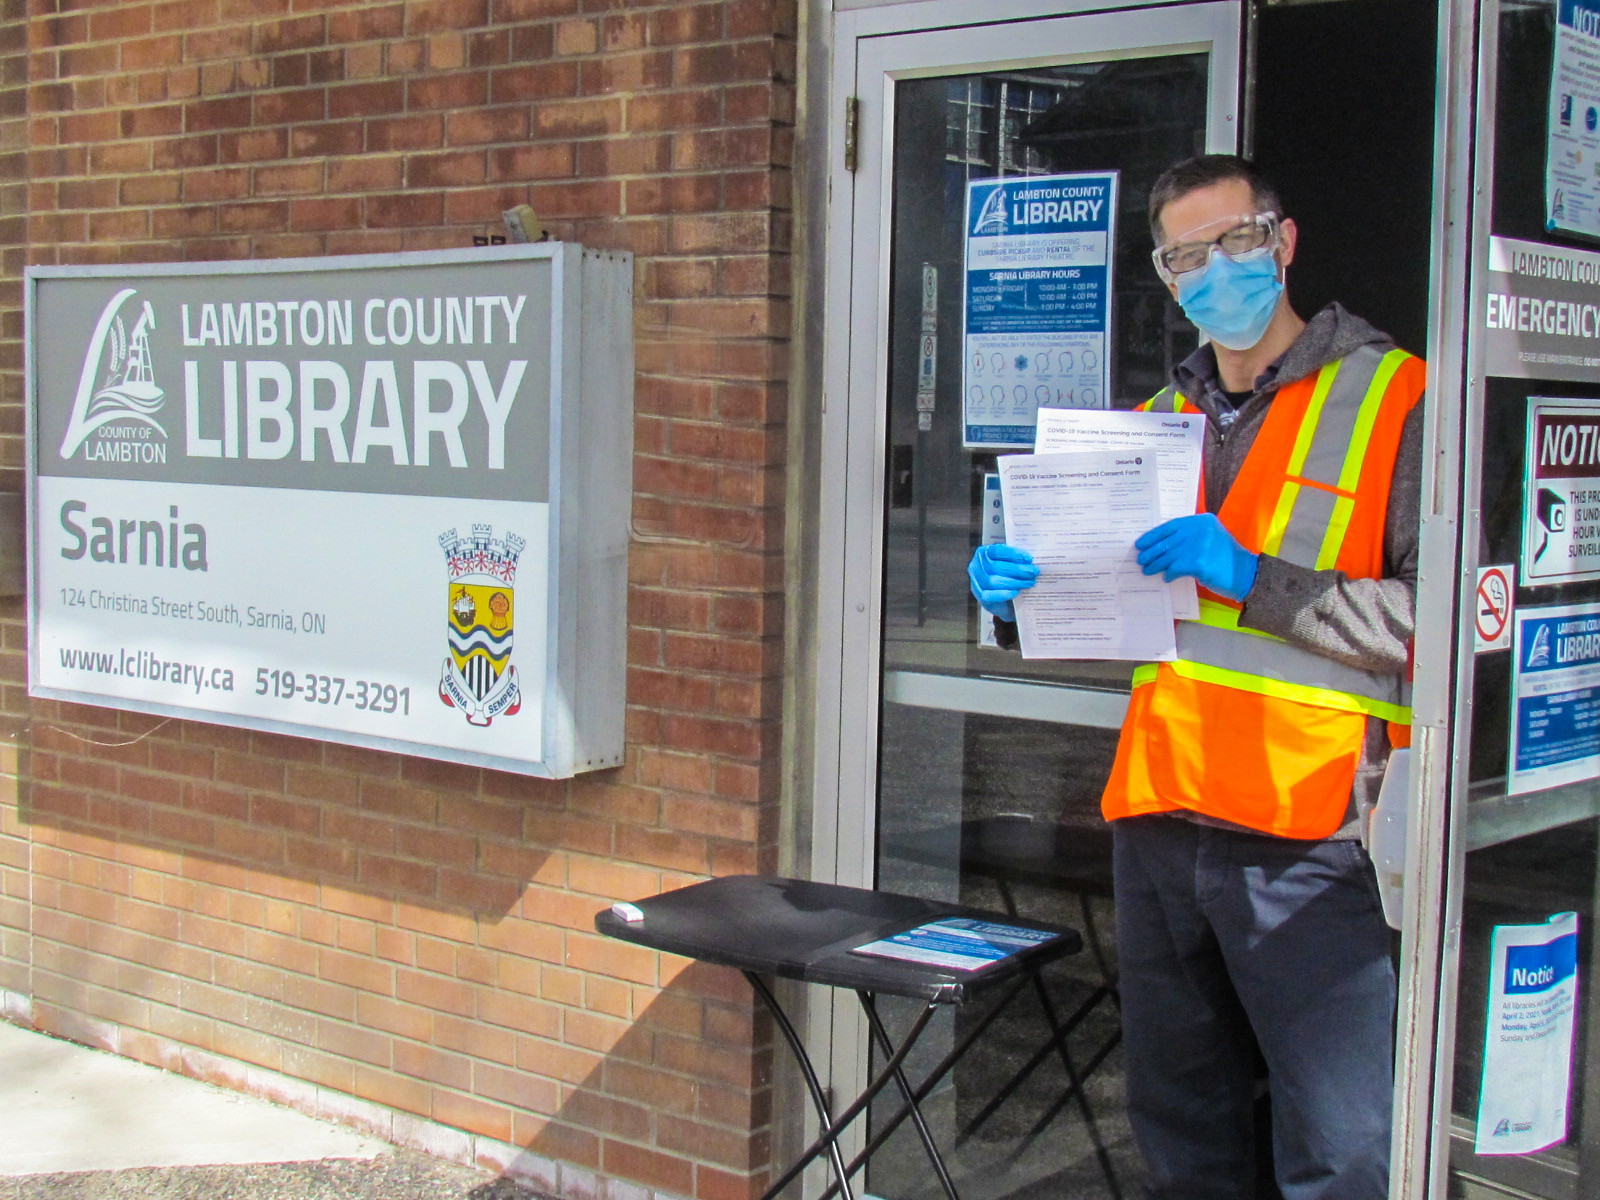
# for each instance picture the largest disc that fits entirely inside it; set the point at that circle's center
(992, 216)
(478, 676)
(118, 397)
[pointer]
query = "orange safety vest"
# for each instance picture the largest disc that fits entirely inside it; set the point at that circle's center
(1243, 725)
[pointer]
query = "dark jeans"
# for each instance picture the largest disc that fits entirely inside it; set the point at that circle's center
(1229, 941)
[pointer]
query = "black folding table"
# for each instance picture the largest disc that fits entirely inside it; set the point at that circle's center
(801, 930)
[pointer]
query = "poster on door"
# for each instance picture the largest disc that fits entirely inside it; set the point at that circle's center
(1527, 1052)
(1572, 162)
(1036, 324)
(1555, 722)
(1561, 492)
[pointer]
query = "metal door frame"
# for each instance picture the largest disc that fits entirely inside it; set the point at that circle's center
(1443, 831)
(872, 49)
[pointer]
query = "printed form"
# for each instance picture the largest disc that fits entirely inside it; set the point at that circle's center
(1078, 515)
(1177, 441)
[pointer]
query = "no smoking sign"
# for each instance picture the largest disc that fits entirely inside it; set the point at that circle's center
(1491, 608)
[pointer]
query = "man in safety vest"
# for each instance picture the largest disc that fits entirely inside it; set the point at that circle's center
(1247, 911)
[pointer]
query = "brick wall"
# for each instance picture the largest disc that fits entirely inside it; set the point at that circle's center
(408, 932)
(14, 917)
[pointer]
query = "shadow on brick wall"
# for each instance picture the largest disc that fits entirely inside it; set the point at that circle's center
(409, 932)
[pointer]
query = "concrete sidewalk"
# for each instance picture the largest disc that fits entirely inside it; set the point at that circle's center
(81, 1124)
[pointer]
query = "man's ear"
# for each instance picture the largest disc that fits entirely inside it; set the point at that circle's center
(1289, 235)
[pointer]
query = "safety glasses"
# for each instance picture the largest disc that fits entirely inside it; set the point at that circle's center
(1251, 237)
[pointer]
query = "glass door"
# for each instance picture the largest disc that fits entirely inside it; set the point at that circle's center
(1519, 1077)
(965, 773)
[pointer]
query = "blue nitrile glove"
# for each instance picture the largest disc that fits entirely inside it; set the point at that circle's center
(1200, 546)
(998, 572)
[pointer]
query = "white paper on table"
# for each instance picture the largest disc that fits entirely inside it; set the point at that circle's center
(1078, 516)
(1176, 439)
(1527, 1052)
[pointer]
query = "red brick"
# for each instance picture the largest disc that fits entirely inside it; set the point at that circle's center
(395, 1091)
(228, 112)
(332, 139)
(434, 16)
(184, 14)
(288, 178)
(374, 99)
(367, 24)
(453, 168)
(392, 874)
(536, 161)
(462, 90)
(519, 1089)
(253, 146)
(299, 33)
(354, 971)
(686, 23)
(473, 1115)
(368, 172)
(669, 1172)
(578, 118)
(506, 124)
(296, 105)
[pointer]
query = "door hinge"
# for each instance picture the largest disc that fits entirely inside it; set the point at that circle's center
(852, 123)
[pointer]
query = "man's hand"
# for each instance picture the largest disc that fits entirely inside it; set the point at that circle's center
(1200, 546)
(998, 573)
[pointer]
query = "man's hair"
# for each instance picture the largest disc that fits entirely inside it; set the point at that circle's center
(1201, 171)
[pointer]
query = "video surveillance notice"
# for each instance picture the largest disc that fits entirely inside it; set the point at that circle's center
(1561, 519)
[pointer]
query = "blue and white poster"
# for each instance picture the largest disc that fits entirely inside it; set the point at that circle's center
(1555, 725)
(1037, 320)
(1527, 1053)
(1572, 165)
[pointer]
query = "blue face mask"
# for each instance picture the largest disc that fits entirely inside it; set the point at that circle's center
(1232, 302)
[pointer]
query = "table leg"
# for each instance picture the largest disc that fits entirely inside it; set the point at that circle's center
(1091, 931)
(1058, 1035)
(882, 1035)
(939, 1072)
(813, 1084)
(830, 1135)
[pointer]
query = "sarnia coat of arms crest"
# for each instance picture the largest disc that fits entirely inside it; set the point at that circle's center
(479, 678)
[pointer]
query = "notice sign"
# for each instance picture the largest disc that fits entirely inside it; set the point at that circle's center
(339, 498)
(1527, 1053)
(1540, 314)
(1561, 492)
(1555, 728)
(1037, 302)
(1572, 163)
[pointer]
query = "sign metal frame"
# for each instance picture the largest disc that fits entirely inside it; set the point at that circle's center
(583, 576)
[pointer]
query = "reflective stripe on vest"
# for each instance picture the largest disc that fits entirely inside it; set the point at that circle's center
(1168, 399)
(1309, 522)
(1269, 666)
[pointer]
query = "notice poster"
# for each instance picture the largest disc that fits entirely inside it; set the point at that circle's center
(1572, 163)
(1037, 301)
(1555, 723)
(957, 944)
(328, 498)
(1527, 1052)
(1561, 492)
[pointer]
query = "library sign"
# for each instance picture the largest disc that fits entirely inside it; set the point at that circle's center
(380, 500)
